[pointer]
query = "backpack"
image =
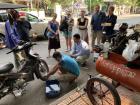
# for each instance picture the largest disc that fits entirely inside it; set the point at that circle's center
(64, 25)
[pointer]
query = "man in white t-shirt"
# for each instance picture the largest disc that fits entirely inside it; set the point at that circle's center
(80, 50)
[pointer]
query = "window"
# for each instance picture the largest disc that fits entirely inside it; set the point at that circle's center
(32, 18)
(3, 17)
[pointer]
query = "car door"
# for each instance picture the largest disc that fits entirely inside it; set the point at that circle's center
(37, 27)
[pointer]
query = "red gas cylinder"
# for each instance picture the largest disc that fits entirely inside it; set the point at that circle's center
(114, 68)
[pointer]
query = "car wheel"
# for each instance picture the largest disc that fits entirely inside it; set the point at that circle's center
(2, 44)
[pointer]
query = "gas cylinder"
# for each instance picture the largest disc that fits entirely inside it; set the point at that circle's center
(114, 67)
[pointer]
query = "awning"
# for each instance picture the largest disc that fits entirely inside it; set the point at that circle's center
(11, 6)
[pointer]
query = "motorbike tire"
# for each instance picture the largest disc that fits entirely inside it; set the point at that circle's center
(43, 69)
(96, 95)
(115, 83)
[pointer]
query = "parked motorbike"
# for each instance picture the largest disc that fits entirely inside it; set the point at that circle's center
(121, 40)
(32, 64)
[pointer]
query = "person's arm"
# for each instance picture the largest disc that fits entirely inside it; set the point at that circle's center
(62, 19)
(78, 23)
(77, 54)
(57, 32)
(73, 50)
(72, 22)
(114, 21)
(15, 39)
(92, 21)
(15, 36)
(53, 71)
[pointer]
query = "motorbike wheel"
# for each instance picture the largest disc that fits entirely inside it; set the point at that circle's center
(1, 84)
(115, 83)
(43, 69)
(101, 92)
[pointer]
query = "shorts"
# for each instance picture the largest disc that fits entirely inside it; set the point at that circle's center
(67, 34)
(82, 59)
(67, 77)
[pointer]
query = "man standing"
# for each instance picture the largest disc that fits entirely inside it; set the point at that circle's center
(23, 27)
(68, 67)
(80, 50)
(12, 37)
(109, 25)
(96, 29)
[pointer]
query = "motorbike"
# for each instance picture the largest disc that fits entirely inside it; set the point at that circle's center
(11, 82)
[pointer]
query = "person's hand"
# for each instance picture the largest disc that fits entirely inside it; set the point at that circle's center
(73, 56)
(47, 77)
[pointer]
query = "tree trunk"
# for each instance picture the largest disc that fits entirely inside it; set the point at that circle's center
(45, 8)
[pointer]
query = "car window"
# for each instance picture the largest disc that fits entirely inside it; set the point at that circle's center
(1, 20)
(32, 18)
(3, 17)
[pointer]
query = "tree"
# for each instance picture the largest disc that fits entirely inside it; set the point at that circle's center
(133, 4)
(92, 3)
(119, 3)
(65, 3)
(8, 1)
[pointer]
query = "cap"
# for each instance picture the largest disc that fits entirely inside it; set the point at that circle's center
(22, 15)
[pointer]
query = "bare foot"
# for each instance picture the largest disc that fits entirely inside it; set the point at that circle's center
(48, 56)
(67, 50)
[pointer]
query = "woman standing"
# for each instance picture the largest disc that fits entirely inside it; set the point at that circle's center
(68, 23)
(53, 34)
(82, 23)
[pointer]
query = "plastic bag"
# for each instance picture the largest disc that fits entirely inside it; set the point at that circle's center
(129, 52)
(106, 46)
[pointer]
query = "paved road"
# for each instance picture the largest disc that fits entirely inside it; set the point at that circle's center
(36, 89)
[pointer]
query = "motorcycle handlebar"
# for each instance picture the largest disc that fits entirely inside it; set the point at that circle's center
(9, 52)
(22, 47)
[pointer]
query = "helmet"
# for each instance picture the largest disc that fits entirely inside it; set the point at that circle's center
(22, 15)
(123, 27)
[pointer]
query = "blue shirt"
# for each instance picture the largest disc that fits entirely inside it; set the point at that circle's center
(11, 35)
(70, 65)
(97, 20)
(81, 48)
(54, 26)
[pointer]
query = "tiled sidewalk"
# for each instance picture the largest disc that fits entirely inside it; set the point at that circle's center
(79, 97)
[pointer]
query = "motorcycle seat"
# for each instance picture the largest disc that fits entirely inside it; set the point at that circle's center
(6, 68)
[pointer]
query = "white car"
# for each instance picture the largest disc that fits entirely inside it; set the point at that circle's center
(39, 27)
